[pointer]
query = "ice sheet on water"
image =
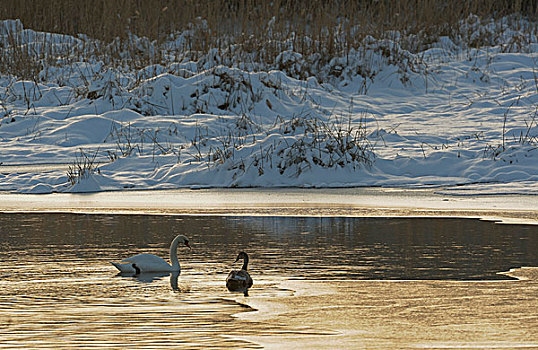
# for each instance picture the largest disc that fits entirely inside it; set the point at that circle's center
(526, 273)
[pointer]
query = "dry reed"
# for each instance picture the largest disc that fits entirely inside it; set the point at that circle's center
(107, 20)
(260, 29)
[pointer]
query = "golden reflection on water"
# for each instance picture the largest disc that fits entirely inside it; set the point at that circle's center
(318, 282)
(406, 314)
(95, 308)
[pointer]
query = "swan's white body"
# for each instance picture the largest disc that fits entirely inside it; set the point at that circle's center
(145, 262)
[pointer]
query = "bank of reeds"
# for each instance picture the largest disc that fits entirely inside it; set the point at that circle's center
(107, 20)
(250, 29)
(253, 22)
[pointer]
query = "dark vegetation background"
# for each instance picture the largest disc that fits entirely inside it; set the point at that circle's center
(249, 31)
(107, 20)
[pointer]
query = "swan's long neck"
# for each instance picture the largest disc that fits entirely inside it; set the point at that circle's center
(245, 262)
(173, 252)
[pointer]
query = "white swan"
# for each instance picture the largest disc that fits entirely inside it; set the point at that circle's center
(239, 280)
(145, 262)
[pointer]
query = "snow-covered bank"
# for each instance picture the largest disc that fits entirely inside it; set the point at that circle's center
(445, 116)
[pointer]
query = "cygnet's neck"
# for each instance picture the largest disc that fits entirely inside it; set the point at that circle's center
(245, 262)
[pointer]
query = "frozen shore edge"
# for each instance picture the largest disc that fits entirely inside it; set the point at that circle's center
(343, 202)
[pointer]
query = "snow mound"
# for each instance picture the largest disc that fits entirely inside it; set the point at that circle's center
(90, 183)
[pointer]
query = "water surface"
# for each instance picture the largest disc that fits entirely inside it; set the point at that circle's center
(316, 280)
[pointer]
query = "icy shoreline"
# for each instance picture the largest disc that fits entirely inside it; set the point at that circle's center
(342, 202)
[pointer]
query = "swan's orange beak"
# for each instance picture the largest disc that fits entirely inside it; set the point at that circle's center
(188, 245)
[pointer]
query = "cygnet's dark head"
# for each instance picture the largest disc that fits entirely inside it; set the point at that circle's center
(241, 255)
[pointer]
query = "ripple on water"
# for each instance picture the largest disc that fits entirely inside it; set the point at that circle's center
(354, 281)
(113, 313)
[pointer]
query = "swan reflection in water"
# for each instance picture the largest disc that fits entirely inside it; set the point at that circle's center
(148, 277)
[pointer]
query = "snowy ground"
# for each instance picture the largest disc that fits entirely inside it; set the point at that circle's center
(463, 120)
